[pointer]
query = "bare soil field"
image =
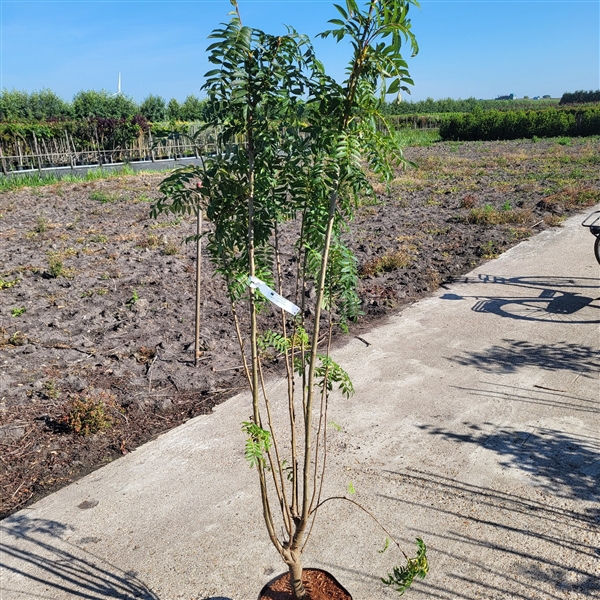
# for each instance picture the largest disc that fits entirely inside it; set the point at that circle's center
(97, 298)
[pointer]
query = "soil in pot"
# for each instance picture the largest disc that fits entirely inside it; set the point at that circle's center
(319, 585)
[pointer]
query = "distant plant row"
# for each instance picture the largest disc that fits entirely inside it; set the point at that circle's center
(467, 105)
(580, 97)
(91, 133)
(511, 125)
(45, 105)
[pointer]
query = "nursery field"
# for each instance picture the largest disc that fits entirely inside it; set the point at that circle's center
(97, 298)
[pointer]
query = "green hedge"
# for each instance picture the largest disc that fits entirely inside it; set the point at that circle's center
(580, 97)
(511, 125)
(467, 105)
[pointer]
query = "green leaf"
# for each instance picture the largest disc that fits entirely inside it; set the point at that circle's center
(402, 577)
(257, 445)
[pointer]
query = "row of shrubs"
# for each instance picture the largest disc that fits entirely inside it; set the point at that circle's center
(85, 134)
(512, 125)
(580, 97)
(45, 105)
(449, 105)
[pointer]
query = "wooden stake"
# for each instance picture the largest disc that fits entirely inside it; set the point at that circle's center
(198, 273)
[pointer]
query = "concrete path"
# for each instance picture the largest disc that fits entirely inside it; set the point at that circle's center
(475, 425)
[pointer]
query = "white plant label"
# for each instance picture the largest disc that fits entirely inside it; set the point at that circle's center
(273, 296)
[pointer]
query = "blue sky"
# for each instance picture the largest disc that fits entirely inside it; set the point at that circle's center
(480, 48)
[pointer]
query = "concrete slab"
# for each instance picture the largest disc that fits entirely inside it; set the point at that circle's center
(475, 425)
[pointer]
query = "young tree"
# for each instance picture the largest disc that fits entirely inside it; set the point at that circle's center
(45, 105)
(14, 105)
(154, 109)
(293, 144)
(173, 110)
(192, 109)
(91, 103)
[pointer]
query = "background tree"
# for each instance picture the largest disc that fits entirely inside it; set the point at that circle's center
(174, 110)
(46, 105)
(154, 109)
(14, 105)
(192, 109)
(91, 103)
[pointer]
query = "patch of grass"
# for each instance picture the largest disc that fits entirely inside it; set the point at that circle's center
(152, 241)
(15, 182)
(519, 233)
(564, 141)
(570, 198)
(454, 146)
(489, 250)
(50, 390)
(5, 284)
(386, 263)
(56, 267)
(554, 220)
(42, 224)
(488, 215)
(98, 239)
(438, 230)
(170, 248)
(17, 312)
(98, 292)
(417, 137)
(103, 197)
(172, 223)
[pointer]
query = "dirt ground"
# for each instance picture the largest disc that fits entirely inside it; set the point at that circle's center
(97, 299)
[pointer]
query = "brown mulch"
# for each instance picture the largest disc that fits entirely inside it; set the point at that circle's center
(319, 585)
(97, 299)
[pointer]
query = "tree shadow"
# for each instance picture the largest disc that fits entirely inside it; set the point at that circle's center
(553, 300)
(559, 463)
(534, 548)
(41, 555)
(516, 354)
(540, 397)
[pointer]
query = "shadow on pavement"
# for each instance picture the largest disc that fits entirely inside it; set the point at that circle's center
(43, 556)
(549, 548)
(553, 300)
(516, 354)
(541, 397)
(562, 464)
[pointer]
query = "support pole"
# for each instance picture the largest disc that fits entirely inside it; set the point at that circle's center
(198, 274)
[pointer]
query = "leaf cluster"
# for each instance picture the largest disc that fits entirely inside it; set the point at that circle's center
(257, 445)
(402, 577)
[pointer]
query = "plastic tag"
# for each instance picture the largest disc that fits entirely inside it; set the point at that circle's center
(273, 296)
